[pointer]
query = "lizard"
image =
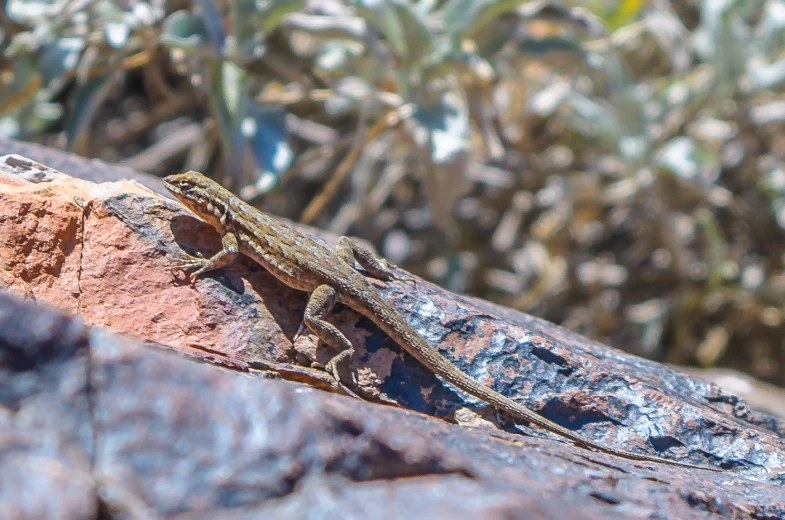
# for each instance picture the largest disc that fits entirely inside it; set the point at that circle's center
(330, 276)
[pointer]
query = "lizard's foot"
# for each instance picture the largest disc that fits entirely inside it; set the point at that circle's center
(391, 272)
(197, 264)
(332, 366)
(352, 250)
(398, 278)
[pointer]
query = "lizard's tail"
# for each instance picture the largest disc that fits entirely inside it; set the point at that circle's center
(391, 322)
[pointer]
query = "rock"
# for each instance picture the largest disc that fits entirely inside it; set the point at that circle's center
(93, 170)
(166, 434)
(97, 423)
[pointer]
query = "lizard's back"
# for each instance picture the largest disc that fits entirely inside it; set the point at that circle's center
(295, 258)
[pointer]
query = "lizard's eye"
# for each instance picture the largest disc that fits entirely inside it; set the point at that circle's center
(184, 184)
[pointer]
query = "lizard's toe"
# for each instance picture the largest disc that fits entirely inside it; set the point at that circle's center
(332, 368)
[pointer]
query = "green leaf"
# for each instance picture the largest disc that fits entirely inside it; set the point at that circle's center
(225, 98)
(722, 36)
(624, 13)
(403, 27)
(464, 18)
(28, 12)
(338, 57)
(543, 46)
(60, 58)
(244, 26)
(86, 100)
(233, 80)
(716, 248)
(447, 125)
(381, 14)
(265, 129)
(678, 156)
(443, 134)
(592, 118)
(212, 21)
(419, 41)
(117, 34)
(685, 158)
(765, 76)
(183, 30)
(772, 21)
(25, 83)
(336, 28)
(275, 11)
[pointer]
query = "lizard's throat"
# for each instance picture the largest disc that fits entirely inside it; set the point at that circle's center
(210, 211)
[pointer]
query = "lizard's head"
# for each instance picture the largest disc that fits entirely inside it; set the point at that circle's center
(199, 194)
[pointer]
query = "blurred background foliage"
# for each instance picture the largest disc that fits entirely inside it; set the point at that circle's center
(617, 167)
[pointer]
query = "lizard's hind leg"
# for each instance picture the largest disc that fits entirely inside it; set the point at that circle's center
(351, 250)
(320, 303)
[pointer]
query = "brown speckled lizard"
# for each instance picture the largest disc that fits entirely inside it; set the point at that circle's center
(330, 276)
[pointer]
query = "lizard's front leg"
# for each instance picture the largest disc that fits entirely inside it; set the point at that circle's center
(229, 251)
(320, 303)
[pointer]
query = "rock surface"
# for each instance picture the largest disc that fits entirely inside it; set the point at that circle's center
(94, 424)
(93, 170)
(157, 433)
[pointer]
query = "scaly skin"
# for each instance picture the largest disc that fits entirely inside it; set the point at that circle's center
(330, 276)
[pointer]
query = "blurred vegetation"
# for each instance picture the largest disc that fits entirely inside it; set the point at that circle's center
(617, 168)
